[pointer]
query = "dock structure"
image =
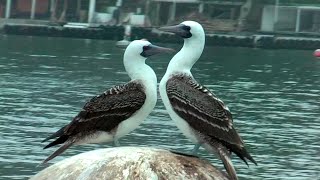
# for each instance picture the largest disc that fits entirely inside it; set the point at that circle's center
(132, 163)
(252, 40)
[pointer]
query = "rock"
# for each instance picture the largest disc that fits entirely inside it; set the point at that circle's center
(131, 163)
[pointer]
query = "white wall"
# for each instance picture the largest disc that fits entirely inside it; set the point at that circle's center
(267, 19)
(285, 22)
(286, 19)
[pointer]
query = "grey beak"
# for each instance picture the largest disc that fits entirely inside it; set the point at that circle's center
(180, 30)
(151, 50)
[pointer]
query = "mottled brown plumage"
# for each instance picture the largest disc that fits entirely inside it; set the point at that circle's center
(102, 113)
(208, 117)
(106, 111)
(193, 102)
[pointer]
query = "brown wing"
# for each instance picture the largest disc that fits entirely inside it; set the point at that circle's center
(106, 111)
(203, 111)
(102, 113)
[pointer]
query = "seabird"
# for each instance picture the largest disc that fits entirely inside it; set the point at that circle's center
(117, 111)
(197, 112)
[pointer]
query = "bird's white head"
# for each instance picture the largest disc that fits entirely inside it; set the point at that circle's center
(186, 30)
(135, 55)
(194, 41)
(195, 29)
(142, 49)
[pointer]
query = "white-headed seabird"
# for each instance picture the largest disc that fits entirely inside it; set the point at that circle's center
(197, 112)
(119, 110)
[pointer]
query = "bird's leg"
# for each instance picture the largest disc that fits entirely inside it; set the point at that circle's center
(116, 143)
(195, 149)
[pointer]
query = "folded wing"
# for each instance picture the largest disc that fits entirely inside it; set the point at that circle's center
(201, 109)
(104, 112)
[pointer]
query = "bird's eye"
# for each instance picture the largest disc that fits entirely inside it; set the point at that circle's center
(186, 28)
(146, 48)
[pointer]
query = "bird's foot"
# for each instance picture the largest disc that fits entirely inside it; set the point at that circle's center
(195, 149)
(116, 143)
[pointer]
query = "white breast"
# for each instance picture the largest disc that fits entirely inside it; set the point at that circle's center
(134, 121)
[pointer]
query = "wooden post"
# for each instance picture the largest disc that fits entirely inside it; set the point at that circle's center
(78, 8)
(92, 7)
(298, 20)
(8, 9)
(64, 11)
(173, 12)
(53, 7)
(147, 7)
(33, 9)
(174, 8)
(276, 15)
(245, 10)
(201, 7)
(158, 13)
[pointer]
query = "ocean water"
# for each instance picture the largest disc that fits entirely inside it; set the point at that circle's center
(274, 96)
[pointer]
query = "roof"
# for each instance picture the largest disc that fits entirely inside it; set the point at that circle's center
(309, 7)
(313, 8)
(179, 1)
(227, 3)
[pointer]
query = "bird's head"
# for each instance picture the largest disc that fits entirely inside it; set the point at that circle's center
(186, 29)
(144, 49)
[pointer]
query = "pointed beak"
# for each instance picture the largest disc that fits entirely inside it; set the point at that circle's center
(151, 50)
(179, 30)
(173, 29)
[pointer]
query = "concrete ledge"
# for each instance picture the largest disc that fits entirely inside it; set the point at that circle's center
(4, 21)
(106, 32)
(267, 41)
(131, 163)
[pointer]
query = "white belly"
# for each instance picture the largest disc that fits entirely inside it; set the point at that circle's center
(131, 124)
(134, 121)
(97, 137)
(180, 123)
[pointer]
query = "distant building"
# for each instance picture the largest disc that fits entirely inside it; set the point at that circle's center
(135, 12)
(214, 15)
(291, 19)
(24, 8)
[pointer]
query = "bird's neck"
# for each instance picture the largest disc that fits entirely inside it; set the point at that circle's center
(137, 69)
(187, 56)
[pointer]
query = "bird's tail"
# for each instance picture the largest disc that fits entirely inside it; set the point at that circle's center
(224, 155)
(58, 151)
(56, 134)
(248, 156)
(242, 153)
(60, 140)
(245, 154)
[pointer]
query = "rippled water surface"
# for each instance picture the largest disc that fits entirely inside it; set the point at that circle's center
(274, 96)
